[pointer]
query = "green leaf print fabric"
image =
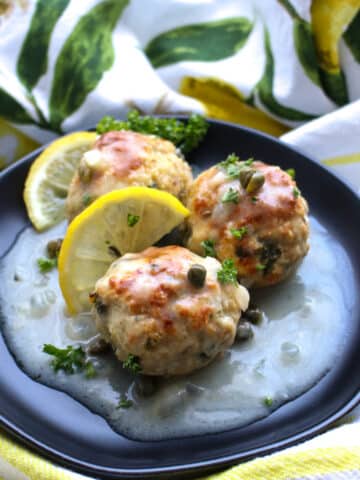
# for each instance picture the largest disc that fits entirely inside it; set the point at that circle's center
(204, 42)
(33, 58)
(69, 62)
(87, 53)
(352, 37)
(12, 110)
(303, 43)
(265, 89)
(268, 64)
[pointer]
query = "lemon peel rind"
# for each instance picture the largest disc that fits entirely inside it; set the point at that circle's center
(37, 172)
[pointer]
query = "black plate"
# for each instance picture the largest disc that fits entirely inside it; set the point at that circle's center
(61, 428)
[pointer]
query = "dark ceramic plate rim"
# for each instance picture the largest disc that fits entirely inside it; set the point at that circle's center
(192, 468)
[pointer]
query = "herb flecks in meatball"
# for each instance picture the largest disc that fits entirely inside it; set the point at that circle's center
(253, 214)
(169, 309)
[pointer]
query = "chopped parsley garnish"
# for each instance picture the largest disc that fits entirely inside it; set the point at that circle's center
(296, 192)
(185, 135)
(209, 248)
(268, 401)
(233, 171)
(124, 402)
(132, 363)
(46, 264)
(86, 199)
(90, 371)
(254, 199)
(70, 360)
(233, 165)
(239, 232)
(291, 173)
(231, 196)
(132, 219)
(229, 160)
(228, 272)
(260, 266)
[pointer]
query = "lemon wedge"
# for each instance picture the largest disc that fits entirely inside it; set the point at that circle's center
(49, 178)
(122, 221)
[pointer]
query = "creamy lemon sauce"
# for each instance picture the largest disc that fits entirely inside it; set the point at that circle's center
(296, 344)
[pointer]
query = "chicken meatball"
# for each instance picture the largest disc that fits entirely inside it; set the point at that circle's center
(166, 307)
(252, 213)
(123, 158)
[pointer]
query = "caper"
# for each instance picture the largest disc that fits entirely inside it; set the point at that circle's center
(53, 248)
(244, 331)
(256, 181)
(145, 386)
(245, 175)
(197, 275)
(254, 315)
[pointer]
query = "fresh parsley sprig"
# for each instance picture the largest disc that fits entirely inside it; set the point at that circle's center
(124, 402)
(228, 272)
(231, 196)
(185, 135)
(268, 401)
(209, 248)
(70, 359)
(291, 172)
(46, 264)
(239, 232)
(132, 220)
(233, 165)
(132, 363)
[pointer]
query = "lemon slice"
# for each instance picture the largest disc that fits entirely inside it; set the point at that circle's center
(122, 221)
(49, 177)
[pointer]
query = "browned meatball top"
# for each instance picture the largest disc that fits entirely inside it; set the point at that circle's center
(120, 159)
(151, 309)
(265, 231)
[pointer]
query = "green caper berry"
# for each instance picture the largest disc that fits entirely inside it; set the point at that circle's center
(244, 331)
(254, 315)
(245, 175)
(53, 248)
(196, 275)
(256, 181)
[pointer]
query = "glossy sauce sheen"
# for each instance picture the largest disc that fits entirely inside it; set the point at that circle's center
(281, 361)
(127, 146)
